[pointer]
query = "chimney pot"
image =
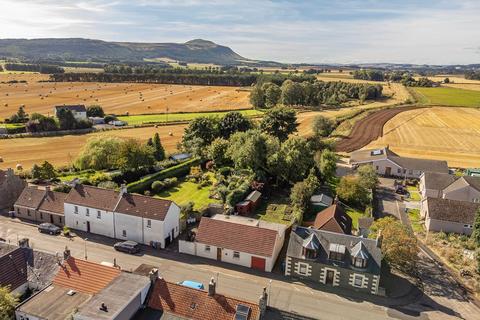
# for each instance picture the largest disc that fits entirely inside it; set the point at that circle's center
(211, 287)
(66, 253)
(153, 274)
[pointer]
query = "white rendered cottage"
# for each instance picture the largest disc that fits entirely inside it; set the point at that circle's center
(122, 215)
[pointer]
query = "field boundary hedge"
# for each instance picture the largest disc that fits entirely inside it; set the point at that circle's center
(179, 170)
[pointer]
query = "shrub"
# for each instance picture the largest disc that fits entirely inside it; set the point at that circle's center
(108, 185)
(157, 186)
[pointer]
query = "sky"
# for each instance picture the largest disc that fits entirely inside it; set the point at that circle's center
(343, 31)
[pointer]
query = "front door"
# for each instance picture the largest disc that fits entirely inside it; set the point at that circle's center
(388, 171)
(51, 218)
(330, 276)
(219, 254)
(88, 226)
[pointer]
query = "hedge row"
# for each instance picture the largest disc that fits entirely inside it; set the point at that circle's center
(180, 170)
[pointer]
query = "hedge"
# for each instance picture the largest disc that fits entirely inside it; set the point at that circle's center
(180, 170)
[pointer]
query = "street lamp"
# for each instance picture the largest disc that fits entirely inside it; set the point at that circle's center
(269, 291)
(85, 248)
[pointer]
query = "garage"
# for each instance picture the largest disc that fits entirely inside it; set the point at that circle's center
(258, 263)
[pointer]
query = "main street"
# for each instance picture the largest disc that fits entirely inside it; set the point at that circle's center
(235, 281)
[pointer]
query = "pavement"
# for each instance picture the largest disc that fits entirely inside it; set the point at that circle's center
(444, 297)
(308, 299)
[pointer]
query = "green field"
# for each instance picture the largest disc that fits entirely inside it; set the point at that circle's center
(448, 96)
(152, 118)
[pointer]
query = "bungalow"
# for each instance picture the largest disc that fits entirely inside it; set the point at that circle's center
(41, 205)
(446, 215)
(247, 206)
(333, 219)
(122, 215)
(334, 259)
(388, 163)
(239, 240)
(79, 111)
(11, 187)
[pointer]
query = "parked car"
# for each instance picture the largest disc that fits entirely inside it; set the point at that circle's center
(399, 189)
(49, 228)
(127, 246)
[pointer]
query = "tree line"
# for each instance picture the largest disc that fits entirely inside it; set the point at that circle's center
(403, 77)
(472, 75)
(42, 68)
(317, 93)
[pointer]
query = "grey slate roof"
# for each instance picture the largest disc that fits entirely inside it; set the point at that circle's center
(253, 196)
(326, 239)
(73, 107)
(438, 181)
(473, 181)
(321, 198)
(452, 210)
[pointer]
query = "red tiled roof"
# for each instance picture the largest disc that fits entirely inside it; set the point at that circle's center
(31, 197)
(237, 237)
(53, 202)
(333, 219)
(87, 196)
(142, 206)
(13, 269)
(84, 276)
(196, 304)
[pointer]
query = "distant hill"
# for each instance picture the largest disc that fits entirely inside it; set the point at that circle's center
(78, 49)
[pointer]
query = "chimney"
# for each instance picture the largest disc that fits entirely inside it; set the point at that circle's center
(262, 303)
(75, 182)
(153, 275)
(66, 253)
(211, 287)
(47, 189)
(335, 200)
(123, 189)
(23, 243)
(379, 239)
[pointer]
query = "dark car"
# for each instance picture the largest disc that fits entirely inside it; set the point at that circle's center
(127, 246)
(399, 189)
(49, 228)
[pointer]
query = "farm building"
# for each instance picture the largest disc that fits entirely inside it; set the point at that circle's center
(11, 187)
(247, 206)
(239, 240)
(122, 215)
(334, 259)
(387, 163)
(41, 205)
(79, 111)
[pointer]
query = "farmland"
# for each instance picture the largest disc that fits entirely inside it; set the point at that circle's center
(62, 150)
(448, 96)
(117, 98)
(451, 134)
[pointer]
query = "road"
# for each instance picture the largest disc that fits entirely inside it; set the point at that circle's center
(443, 296)
(238, 282)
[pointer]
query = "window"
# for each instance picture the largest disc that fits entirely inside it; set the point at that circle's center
(359, 262)
(88, 212)
(468, 226)
(336, 256)
(60, 219)
(236, 254)
(476, 200)
(76, 210)
(357, 281)
(149, 223)
(410, 172)
(124, 233)
(28, 212)
(207, 248)
(310, 254)
(99, 214)
(399, 170)
(302, 268)
(41, 216)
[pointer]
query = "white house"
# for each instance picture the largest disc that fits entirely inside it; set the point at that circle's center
(79, 111)
(239, 240)
(388, 163)
(121, 215)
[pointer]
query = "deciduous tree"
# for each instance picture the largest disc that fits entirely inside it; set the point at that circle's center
(133, 155)
(368, 176)
(158, 150)
(7, 304)
(326, 162)
(279, 122)
(233, 122)
(322, 126)
(95, 111)
(476, 229)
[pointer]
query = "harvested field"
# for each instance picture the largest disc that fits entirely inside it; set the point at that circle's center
(63, 150)
(451, 134)
(120, 98)
(6, 76)
(368, 129)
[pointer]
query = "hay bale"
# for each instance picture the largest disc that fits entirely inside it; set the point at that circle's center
(1, 159)
(19, 167)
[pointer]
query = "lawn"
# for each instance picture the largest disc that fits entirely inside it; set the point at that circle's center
(162, 117)
(187, 191)
(274, 209)
(414, 193)
(448, 96)
(355, 215)
(415, 220)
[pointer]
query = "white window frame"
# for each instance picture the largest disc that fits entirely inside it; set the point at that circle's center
(357, 277)
(87, 213)
(75, 210)
(302, 265)
(236, 255)
(99, 214)
(207, 248)
(124, 233)
(149, 223)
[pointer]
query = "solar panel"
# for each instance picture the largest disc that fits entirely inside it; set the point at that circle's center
(242, 312)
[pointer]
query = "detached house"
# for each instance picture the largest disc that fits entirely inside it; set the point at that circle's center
(41, 205)
(388, 163)
(239, 240)
(121, 215)
(334, 259)
(79, 111)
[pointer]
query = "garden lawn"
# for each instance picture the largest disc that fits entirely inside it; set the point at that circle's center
(414, 193)
(162, 117)
(186, 191)
(448, 96)
(415, 220)
(273, 209)
(355, 215)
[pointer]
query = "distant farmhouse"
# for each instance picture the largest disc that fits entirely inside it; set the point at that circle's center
(387, 163)
(79, 111)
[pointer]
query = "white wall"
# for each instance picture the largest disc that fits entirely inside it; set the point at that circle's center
(103, 226)
(155, 232)
(172, 220)
(131, 224)
(187, 247)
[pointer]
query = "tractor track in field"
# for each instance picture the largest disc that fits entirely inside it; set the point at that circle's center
(369, 129)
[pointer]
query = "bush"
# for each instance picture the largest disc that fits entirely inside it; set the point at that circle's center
(108, 185)
(157, 186)
(64, 188)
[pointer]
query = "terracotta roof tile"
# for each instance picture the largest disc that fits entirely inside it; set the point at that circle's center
(13, 267)
(142, 206)
(103, 199)
(236, 236)
(53, 202)
(31, 197)
(196, 304)
(333, 219)
(84, 276)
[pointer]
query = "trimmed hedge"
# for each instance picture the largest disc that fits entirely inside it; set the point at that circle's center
(180, 170)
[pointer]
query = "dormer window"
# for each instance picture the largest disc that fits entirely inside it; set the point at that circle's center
(359, 256)
(309, 253)
(359, 263)
(311, 245)
(336, 252)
